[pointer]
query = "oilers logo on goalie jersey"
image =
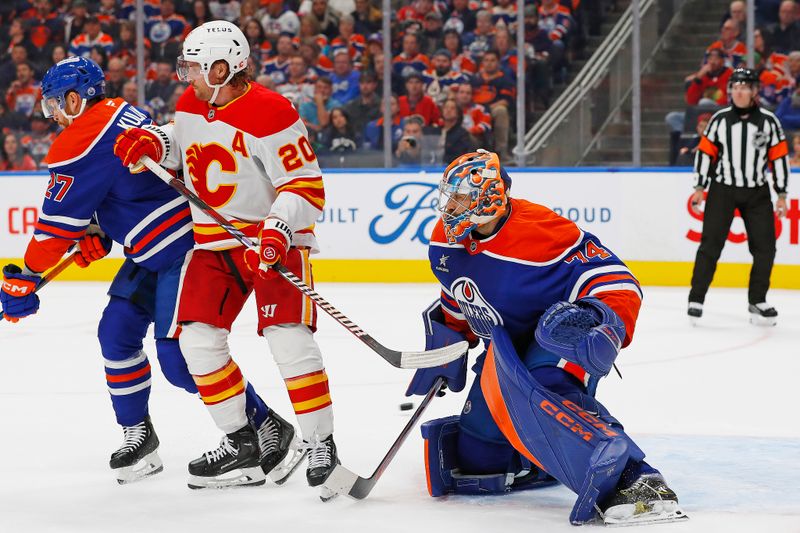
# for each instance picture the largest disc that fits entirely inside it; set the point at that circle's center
(478, 312)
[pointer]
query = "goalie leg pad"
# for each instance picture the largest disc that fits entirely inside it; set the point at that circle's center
(575, 447)
(444, 445)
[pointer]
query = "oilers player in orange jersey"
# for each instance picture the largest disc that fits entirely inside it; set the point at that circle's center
(245, 152)
(553, 307)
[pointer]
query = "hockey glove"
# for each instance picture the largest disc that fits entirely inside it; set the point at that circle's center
(18, 298)
(437, 334)
(91, 248)
(134, 143)
(275, 238)
(588, 333)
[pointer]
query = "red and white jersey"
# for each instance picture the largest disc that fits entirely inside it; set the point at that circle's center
(247, 159)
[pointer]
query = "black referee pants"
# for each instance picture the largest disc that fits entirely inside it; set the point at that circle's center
(755, 206)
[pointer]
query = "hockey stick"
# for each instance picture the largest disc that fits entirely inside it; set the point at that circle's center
(56, 270)
(399, 359)
(344, 481)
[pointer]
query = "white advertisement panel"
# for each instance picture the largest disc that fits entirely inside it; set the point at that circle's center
(641, 215)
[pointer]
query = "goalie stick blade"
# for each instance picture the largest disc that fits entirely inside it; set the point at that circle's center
(437, 357)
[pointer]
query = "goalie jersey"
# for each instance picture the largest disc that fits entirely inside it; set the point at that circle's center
(536, 259)
(87, 182)
(247, 159)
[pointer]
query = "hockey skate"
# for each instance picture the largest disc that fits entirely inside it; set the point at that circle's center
(695, 311)
(763, 314)
(137, 458)
(281, 450)
(648, 500)
(234, 463)
(322, 459)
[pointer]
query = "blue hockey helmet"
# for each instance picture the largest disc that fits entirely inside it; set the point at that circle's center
(473, 192)
(77, 74)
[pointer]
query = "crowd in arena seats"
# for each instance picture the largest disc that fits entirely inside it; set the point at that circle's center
(454, 65)
(776, 43)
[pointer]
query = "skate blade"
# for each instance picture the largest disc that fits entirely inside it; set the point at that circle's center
(242, 477)
(326, 494)
(693, 320)
(284, 470)
(763, 321)
(644, 513)
(147, 466)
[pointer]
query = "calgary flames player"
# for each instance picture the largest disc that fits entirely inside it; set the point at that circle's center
(244, 151)
(553, 307)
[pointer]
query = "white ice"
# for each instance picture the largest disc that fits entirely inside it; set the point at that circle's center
(714, 407)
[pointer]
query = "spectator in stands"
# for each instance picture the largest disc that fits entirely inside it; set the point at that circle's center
(409, 148)
(130, 93)
(339, 136)
(793, 67)
(414, 11)
(507, 52)
(460, 60)
(108, 15)
(373, 133)
(225, 9)
(326, 16)
(711, 81)
(368, 18)
(279, 20)
(367, 106)
(687, 149)
(17, 37)
(13, 156)
(24, 92)
(772, 60)
(37, 142)
(354, 43)
(344, 78)
(92, 36)
(737, 12)
(414, 102)
(266, 81)
(493, 89)
(75, 20)
(159, 91)
(309, 31)
(431, 37)
(260, 47)
(410, 59)
(455, 139)
(45, 23)
(481, 39)
(774, 86)
(11, 120)
(318, 63)
(475, 118)
(115, 77)
(8, 70)
(733, 49)
(316, 112)
(58, 53)
(201, 13)
(299, 84)
(167, 25)
(556, 20)
(788, 111)
(786, 33)
(277, 66)
(461, 17)
(547, 59)
(441, 81)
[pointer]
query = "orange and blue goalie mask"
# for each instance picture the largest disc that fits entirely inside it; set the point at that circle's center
(472, 193)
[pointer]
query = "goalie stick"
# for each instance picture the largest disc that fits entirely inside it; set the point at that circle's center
(344, 481)
(399, 359)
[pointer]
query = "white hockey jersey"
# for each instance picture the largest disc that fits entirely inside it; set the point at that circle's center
(247, 159)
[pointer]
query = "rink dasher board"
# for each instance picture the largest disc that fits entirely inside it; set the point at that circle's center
(376, 224)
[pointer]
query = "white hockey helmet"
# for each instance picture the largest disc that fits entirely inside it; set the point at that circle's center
(218, 40)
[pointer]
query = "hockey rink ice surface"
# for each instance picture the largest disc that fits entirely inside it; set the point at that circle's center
(714, 407)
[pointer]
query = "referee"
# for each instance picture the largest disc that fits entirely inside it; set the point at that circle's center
(740, 142)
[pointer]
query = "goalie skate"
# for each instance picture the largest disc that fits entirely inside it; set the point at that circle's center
(234, 463)
(281, 449)
(137, 458)
(763, 314)
(649, 500)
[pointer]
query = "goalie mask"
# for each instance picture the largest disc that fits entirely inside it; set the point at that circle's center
(473, 192)
(218, 40)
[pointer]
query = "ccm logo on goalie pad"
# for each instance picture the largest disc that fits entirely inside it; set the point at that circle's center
(570, 423)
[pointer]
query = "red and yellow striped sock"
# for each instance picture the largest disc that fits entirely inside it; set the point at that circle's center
(220, 385)
(309, 392)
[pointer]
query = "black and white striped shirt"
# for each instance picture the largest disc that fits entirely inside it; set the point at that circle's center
(737, 151)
